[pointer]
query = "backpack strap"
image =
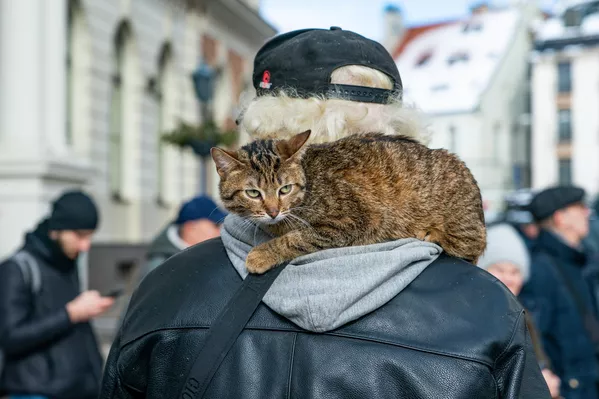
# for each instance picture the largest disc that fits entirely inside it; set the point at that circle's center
(590, 322)
(30, 270)
(223, 333)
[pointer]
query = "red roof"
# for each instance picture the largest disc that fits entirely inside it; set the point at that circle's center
(413, 33)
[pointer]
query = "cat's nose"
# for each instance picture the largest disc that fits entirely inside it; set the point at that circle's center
(273, 213)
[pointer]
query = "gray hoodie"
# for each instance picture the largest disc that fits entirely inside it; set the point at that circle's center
(327, 289)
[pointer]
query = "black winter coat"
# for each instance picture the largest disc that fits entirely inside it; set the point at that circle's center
(557, 316)
(46, 354)
(454, 332)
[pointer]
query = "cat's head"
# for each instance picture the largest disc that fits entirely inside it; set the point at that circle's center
(264, 180)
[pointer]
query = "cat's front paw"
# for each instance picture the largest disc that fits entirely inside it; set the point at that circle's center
(260, 261)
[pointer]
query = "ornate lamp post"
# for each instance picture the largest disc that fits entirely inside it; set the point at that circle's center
(207, 135)
(203, 83)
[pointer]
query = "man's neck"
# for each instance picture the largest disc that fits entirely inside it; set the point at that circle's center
(570, 239)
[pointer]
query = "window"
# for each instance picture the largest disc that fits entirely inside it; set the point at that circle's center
(564, 126)
(497, 140)
(440, 87)
(164, 69)
(564, 83)
(573, 17)
(424, 59)
(474, 26)
(565, 172)
(460, 56)
(453, 144)
(115, 152)
(76, 132)
(69, 79)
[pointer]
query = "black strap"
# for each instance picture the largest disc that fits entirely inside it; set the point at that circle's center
(590, 322)
(360, 93)
(582, 309)
(224, 331)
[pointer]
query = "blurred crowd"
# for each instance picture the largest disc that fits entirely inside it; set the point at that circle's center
(545, 249)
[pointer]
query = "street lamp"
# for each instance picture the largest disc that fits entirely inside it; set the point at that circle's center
(203, 83)
(201, 138)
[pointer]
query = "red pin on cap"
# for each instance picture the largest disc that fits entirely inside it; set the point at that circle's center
(265, 84)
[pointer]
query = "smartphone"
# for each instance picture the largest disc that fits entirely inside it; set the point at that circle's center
(114, 293)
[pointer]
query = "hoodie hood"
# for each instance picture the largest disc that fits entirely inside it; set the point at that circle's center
(167, 243)
(39, 243)
(327, 289)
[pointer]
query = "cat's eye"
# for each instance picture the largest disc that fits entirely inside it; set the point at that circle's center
(253, 193)
(285, 189)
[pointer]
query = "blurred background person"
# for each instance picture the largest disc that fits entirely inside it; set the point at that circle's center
(507, 258)
(591, 242)
(557, 294)
(591, 248)
(198, 220)
(45, 335)
(518, 214)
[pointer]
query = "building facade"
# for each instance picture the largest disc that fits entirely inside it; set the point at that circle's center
(470, 78)
(88, 89)
(565, 89)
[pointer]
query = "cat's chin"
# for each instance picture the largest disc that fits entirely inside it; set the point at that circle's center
(267, 220)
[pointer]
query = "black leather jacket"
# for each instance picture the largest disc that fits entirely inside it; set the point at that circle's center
(454, 332)
(46, 354)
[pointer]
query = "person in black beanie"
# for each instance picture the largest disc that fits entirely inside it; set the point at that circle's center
(48, 344)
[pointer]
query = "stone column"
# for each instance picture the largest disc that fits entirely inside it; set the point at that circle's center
(54, 47)
(21, 78)
(34, 163)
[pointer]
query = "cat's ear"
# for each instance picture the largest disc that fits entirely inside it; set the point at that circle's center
(291, 147)
(225, 160)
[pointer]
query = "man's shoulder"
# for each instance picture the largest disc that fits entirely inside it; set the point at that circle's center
(166, 296)
(206, 257)
(452, 308)
(9, 265)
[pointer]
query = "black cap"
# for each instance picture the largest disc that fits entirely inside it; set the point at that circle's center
(303, 60)
(74, 210)
(551, 200)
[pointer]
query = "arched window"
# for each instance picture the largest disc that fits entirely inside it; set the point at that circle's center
(453, 140)
(72, 9)
(77, 120)
(122, 43)
(163, 94)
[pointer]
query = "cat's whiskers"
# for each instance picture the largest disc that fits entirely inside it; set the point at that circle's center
(221, 220)
(288, 223)
(299, 219)
(255, 231)
(247, 223)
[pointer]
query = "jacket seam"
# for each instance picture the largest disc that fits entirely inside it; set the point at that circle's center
(125, 384)
(414, 348)
(293, 346)
(497, 390)
(509, 344)
(410, 347)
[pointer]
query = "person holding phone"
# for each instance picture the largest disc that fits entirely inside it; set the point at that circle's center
(48, 344)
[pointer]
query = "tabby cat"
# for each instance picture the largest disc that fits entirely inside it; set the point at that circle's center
(359, 190)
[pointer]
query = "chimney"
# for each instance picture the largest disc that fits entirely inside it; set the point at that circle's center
(394, 27)
(479, 8)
